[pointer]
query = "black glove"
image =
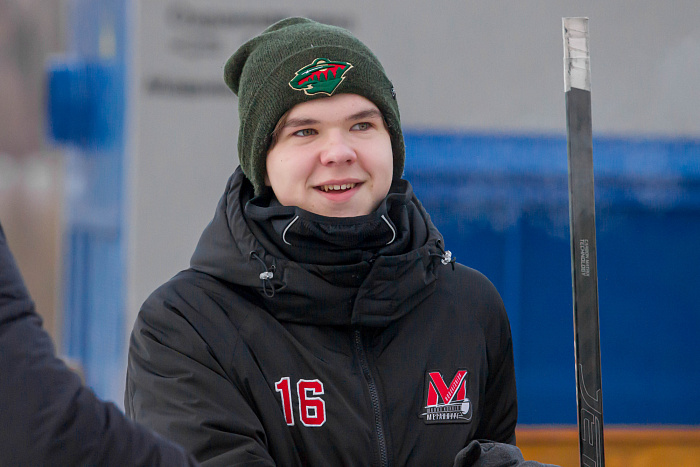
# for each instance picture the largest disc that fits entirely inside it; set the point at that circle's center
(489, 454)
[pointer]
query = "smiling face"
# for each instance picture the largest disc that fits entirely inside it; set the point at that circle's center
(332, 157)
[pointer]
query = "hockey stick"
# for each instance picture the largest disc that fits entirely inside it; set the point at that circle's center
(584, 272)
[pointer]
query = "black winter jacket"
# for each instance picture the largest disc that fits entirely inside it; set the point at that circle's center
(296, 339)
(47, 417)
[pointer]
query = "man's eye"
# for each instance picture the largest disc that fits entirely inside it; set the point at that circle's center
(362, 126)
(305, 132)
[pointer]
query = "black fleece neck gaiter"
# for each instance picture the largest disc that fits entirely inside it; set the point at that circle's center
(395, 227)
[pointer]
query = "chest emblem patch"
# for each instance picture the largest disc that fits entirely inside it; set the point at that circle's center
(446, 402)
(320, 76)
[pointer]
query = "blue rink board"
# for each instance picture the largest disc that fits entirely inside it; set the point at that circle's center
(501, 202)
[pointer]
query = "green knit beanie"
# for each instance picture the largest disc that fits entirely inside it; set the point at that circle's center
(297, 60)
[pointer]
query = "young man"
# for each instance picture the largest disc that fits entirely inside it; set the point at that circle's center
(321, 322)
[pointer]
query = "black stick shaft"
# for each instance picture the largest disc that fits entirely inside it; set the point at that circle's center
(589, 393)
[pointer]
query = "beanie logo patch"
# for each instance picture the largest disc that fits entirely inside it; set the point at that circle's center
(320, 76)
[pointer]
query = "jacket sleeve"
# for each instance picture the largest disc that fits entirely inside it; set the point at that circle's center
(500, 414)
(47, 416)
(177, 386)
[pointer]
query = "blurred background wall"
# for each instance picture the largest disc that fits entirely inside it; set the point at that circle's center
(31, 174)
(142, 136)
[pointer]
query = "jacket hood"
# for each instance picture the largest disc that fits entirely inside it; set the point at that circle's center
(306, 268)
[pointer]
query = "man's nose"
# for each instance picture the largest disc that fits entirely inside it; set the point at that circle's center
(337, 149)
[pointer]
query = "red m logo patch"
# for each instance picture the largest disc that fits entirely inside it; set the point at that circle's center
(436, 385)
(446, 403)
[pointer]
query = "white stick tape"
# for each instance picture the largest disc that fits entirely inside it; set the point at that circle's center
(577, 66)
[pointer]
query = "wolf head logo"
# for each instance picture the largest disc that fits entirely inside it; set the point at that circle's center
(320, 76)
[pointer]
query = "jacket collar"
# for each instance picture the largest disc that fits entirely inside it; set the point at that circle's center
(313, 239)
(337, 273)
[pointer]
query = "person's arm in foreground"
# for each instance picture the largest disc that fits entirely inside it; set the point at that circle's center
(47, 416)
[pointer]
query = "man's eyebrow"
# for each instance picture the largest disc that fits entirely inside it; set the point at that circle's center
(369, 113)
(298, 122)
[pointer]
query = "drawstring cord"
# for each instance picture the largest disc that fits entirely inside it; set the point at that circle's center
(393, 230)
(266, 276)
(284, 234)
(446, 255)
